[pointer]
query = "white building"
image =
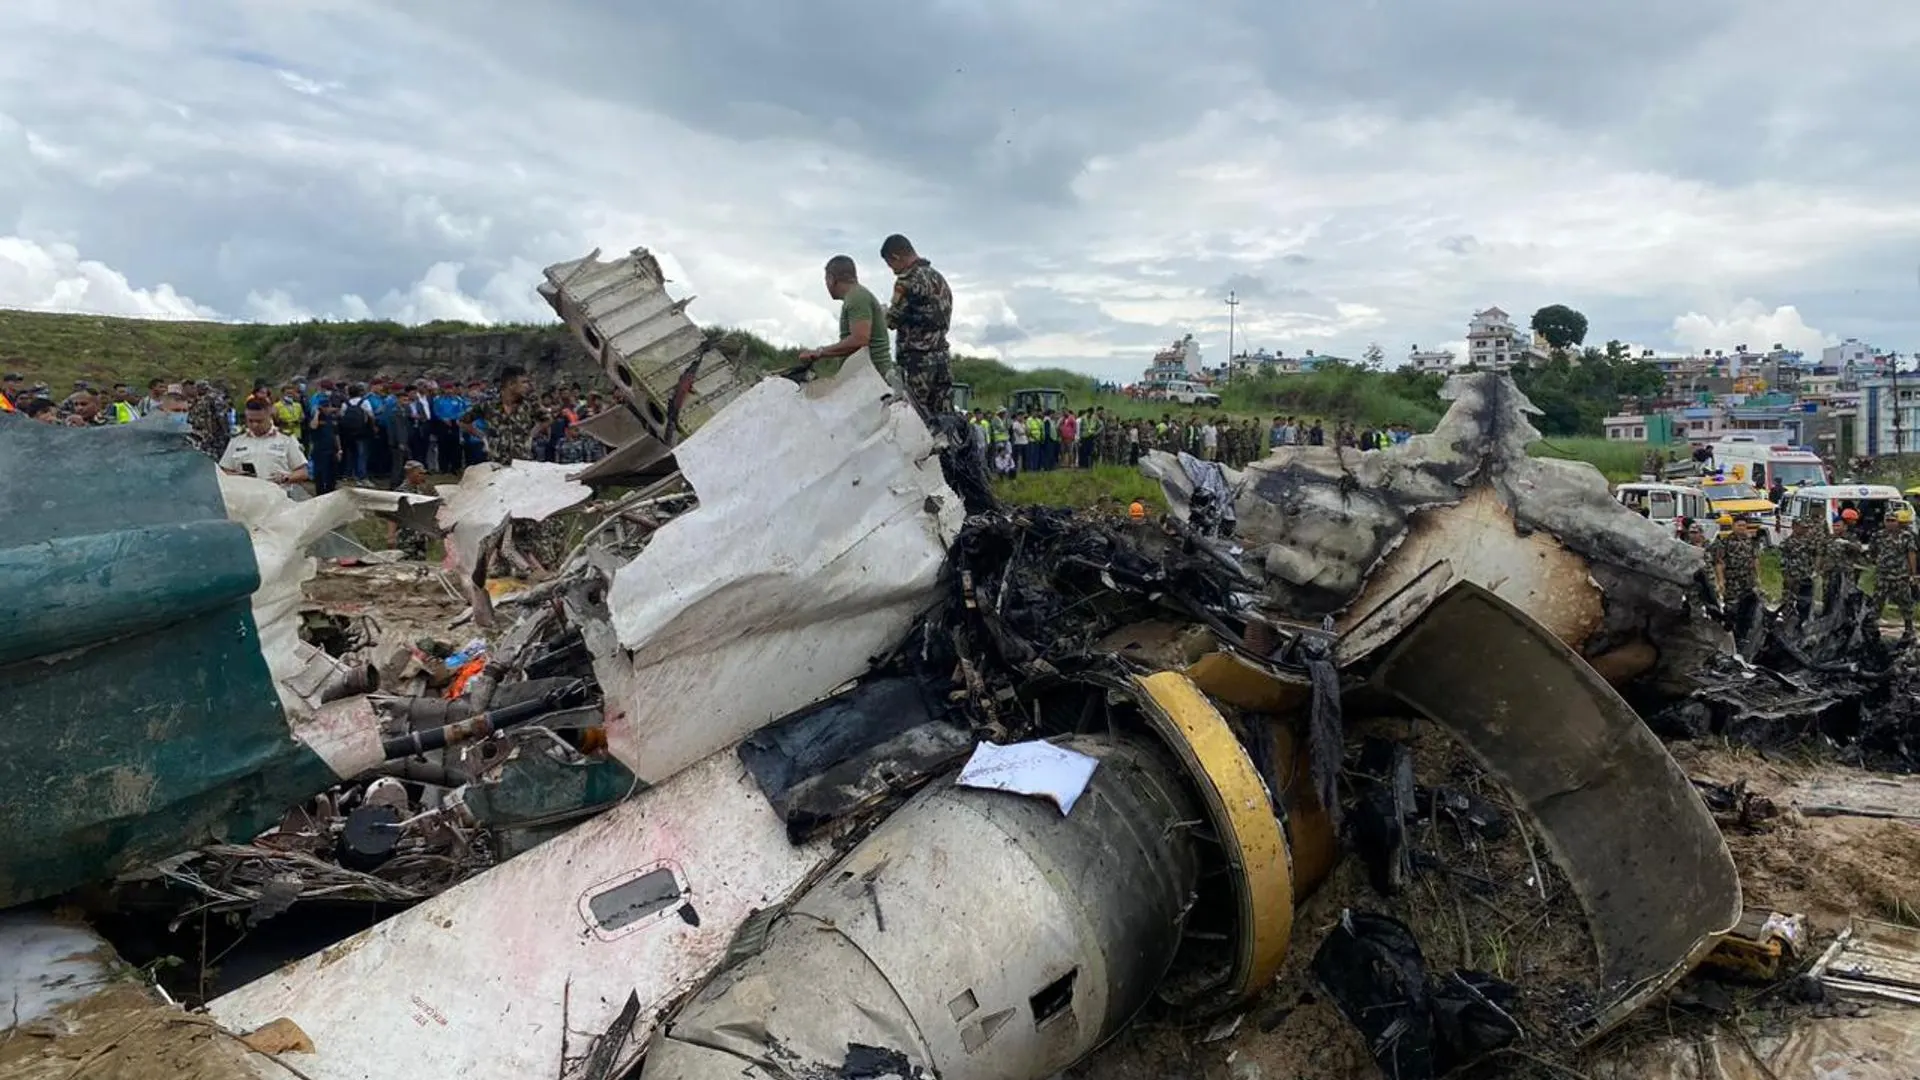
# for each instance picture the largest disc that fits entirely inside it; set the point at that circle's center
(1628, 427)
(1875, 431)
(1495, 344)
(1851, 353)
(1432, 361)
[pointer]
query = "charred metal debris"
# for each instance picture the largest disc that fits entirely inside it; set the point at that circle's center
(735, 696)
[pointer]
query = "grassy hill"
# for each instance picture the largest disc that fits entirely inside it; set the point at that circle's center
(58, 349)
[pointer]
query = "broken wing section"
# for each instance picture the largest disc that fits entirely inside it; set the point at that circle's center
(1626, 825)
(821, 535)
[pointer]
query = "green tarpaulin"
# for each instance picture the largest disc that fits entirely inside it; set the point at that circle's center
(137, 715)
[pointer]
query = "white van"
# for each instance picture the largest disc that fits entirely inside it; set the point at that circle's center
(1665, 504)
(1824, 503)
(1761, 463)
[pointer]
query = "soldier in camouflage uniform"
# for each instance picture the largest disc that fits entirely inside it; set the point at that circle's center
(511, 427)
(1736, 563)
(1801, 559)
(1893, 551)
(412, 542)
(208, 419)
(919, 315)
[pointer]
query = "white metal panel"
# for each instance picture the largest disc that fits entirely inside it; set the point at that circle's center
(282, 531)
(821, 534)
(621, 313)
(480, 982)
(488, 494)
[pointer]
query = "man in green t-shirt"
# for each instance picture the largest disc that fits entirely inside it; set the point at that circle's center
(861, 315)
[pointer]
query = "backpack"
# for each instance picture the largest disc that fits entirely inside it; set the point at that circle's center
(354, 420)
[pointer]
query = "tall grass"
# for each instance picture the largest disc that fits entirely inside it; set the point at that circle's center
(1113, 487)
(1620, 460)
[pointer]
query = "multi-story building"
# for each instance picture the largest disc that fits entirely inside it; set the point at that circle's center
(1886, 418)
(1849, 354)
(1697, 423)
(1432, 361)
(1495, 344)
(1259, 362)
(1178, 362)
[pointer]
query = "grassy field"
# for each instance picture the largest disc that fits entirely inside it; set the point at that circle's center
(1101, 487)
(1619, 460)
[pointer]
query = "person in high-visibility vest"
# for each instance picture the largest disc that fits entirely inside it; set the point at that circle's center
(10, 390)
(125, 409)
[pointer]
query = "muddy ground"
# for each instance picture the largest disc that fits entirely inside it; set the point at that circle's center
(1828, 868)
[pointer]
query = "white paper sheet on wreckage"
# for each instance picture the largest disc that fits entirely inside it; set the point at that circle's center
(813, 549)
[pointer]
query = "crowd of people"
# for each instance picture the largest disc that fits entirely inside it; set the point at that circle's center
(328, 432)
(1814, 553)
(1016, 441)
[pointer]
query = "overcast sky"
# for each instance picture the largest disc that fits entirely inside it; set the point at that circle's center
(1093, 181)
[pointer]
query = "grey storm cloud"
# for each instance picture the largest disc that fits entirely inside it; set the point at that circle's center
(1093, 180)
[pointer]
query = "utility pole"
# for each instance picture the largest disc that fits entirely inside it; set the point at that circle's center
(1233, 301)
(1893, 373)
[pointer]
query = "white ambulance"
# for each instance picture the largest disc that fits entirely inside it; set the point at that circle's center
(1760, 463)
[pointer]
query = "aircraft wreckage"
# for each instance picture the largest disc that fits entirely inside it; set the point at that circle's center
(814, 762)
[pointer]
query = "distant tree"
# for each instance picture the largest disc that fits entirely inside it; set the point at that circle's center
(1637, 378)
(1616, 350)
(1374, 354)
(1560, 325)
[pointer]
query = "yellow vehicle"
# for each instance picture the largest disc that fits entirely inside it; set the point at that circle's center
(1740, 499)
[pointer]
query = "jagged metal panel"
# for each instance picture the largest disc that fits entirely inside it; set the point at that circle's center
(1636, 842)
(621, 313)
